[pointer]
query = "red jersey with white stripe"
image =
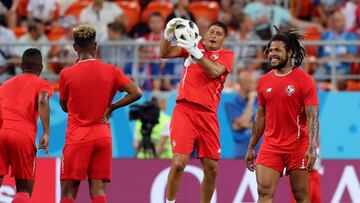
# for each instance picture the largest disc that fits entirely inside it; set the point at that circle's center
(197, 87)
(284, 98)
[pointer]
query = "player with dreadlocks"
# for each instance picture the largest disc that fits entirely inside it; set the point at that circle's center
(287, 117)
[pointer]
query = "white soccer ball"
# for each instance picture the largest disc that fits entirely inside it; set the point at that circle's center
(186, 30)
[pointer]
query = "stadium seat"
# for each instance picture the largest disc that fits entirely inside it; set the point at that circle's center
(56, 33)
(132, 11)
(22, 8)
(76, 8)
(165, 8)
(352, 85)
(19, 31)
(312, 34)
(209, 10)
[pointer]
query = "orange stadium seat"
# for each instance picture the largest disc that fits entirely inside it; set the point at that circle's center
(132, 11)
(209, 10)
(19, 31)
(352, 85)
(56, 33)
(165, 8)
(76, 8)
(312, 34)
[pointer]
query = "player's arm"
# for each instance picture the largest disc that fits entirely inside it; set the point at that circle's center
(257, 131)
(213, 69)
(44, 114)
(133, 94)
(63, 104)
(312, 115)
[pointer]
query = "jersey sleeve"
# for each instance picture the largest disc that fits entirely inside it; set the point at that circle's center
(46, 87)
(309, 92)
(227, 59)
(261, 100)
(120, 78)
(63, 90)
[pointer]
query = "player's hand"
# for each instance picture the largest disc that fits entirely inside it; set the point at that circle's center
(250, 160)
(106, 116)
(191, 47)
(44, 143)
(252, 95)
(311, 158)
(169, 29)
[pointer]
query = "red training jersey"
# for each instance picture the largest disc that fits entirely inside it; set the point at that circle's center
(89, 87)
(19, 102)
(197, 87)
(284, 98)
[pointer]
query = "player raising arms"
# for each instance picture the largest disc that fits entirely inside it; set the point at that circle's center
(86, 91)
(288, 118)
(22, 99)
(194, 121)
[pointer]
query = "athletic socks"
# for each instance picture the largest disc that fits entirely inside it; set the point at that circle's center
(99, 199)
(168, 201)
(67, 200)
(21, 197)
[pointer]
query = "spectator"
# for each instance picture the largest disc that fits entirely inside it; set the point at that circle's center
(35, 34)
(325, 8)
(181, 11)
(203, 24)
(156, 25)
(171, 74)
(248, 56)
(9, 7)
(241, 112)
(64, 55)
(265, 14)
(349, 9)
(7, 53)
(100, 13)
(160, 132)
(147, 74)
(116, 54)
(337, 32)
(41, 9)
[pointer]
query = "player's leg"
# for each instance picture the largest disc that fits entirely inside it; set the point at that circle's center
(1, 180)
(69, 190)
(299, 185)
(99, 172)
(179, 162)
(209, 182)
(267, 179)
(24, 190)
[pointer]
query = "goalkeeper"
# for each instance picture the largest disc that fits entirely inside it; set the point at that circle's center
(194, 122)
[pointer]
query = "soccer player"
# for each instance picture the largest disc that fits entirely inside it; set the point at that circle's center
(22, 99)
(288, 117)
(86, 92)
(194, 122)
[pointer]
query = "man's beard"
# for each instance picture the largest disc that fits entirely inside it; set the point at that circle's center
(281, 65)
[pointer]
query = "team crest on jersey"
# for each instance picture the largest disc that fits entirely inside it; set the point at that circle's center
(290, 89)
(214, 57)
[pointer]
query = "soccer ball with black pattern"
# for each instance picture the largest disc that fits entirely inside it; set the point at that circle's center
(186, 30)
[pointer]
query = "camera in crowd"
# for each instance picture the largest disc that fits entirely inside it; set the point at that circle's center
(148, 112)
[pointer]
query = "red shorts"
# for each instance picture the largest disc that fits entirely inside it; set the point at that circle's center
(17, 150)
(193, 125)
(279, 161)
(92, 159)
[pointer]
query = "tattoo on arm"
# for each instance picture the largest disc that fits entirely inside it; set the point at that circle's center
(312, 115)
(258, 127)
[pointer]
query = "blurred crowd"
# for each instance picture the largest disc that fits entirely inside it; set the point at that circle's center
(122, 24)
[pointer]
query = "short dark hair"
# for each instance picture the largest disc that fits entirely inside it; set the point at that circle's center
(116, 27)
(291, 38)
(31, 59)
(84, 35)
(33, 24)
(220, 24)
(155, 14)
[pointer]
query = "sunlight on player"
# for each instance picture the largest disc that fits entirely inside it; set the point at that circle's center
(86, 91)
(288, 118)
(194, 122)
(22, 99)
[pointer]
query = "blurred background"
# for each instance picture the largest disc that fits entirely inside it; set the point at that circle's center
(128, 35)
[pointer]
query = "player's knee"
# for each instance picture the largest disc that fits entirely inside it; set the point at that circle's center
(266, 190)
(300, 194)
(211, 172)
(179, 165)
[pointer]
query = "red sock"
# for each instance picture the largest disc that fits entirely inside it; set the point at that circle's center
(99, 199)
(67, 200)
(21, 197)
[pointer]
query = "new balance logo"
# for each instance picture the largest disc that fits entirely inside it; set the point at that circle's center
(173, 144)
(268, 89)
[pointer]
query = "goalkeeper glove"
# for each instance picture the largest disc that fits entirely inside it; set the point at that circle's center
(191, 47)
(170, 26)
